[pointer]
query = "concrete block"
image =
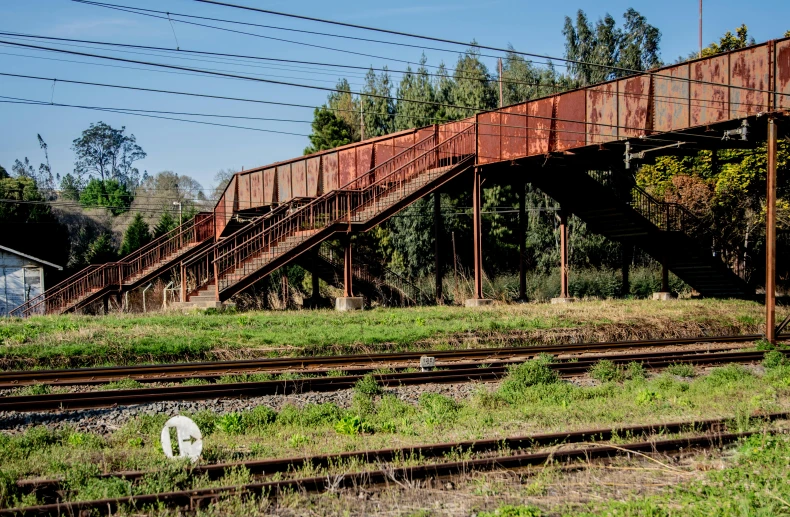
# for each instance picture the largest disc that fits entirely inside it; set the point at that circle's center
(664, 296)
(555, 301)
(350, 303)
(478, 302)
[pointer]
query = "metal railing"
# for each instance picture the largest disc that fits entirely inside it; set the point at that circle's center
(358, 201)
(670, 217)
(97, 277)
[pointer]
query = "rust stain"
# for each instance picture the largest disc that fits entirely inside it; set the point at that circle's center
(488, 135)
(269, 184)
(364, 165)
(330, 171)
(313, 176)
(671, 98)
(299, 178)
(783, 74)
(710, 99)
(347, 166)
(256, 189)
(244, 191)
(634, 104)
(750, 72)
(514, 132)
(284, 183)
(602, 113)
(571, 117)
(539, 125)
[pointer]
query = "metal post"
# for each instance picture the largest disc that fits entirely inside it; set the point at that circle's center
(437, 237)
(770, 237)
(478, 237)
(522, 244)
(347, 271)
(563, 254)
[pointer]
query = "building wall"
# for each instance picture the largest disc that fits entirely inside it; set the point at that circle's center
(20, 280)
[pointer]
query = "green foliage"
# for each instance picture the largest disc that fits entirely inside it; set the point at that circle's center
(730, 42)
(368, 385)
(136, 235)
(259, 417)
(415, 93)
(311, 415)
(165, 224)
(681, 369)
(523, 376)
(101, 250)
(764, 345)
(329, 131)
(774, 359)
(108, 153)
(231, 423)
(298, 440)
(111, 194)
(607, 371)
(34, 389)
(729, 374)
(123, 384)
(353, 425)
(438, 409)
(513, 511)
(378, 110)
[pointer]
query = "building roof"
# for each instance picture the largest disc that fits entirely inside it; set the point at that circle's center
(15, 252)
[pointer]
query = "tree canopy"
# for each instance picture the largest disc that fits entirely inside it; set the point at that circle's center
(110, 194)
(136, 235)
(108, 153)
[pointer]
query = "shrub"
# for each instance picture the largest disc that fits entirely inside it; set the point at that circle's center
(367, 385)
(727, 375)
(681, 369)
(352, 425)
(646, 397)
(231, 423)
(773, 359)
(606, 371)
(513, 511)
(260, 416)
(523, 376)
(764, 345)
(635, 371)
(298, 440)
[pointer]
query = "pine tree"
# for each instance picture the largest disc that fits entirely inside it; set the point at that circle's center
(101, 250)
(415, 87)
(377, 107)
(136, 235)
(345, 107)
(166, 223)
(472, 86)
(329, 131)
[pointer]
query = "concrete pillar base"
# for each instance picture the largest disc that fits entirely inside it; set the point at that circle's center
(664, 296)
(349, 303)
(478, 302)
(555, 301)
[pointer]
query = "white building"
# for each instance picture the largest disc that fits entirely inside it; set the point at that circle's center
(21, 278)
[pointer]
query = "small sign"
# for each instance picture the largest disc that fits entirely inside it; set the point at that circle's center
(188, 438)
(427, 362)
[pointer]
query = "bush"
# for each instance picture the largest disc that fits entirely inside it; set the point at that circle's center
(367, 385)
(523, 376)
(231, 423)
(727, 375)
(260, 416)
(353, 425)
(310, 416)
(607, 371)
(438, 409)
(681, 370)
(773, 359)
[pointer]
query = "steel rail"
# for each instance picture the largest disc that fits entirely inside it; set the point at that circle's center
(199, 497)
(112, 398)
(47, 489)
(146, 372)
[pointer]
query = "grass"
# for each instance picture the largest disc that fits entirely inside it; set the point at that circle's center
(73, 341)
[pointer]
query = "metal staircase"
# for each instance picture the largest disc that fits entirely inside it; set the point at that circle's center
(611, 204)
(260, 247)
(140, 266)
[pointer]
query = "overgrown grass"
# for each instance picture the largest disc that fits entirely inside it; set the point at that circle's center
(71, 341)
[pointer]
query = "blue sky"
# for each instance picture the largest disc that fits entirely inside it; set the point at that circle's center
(200, 151)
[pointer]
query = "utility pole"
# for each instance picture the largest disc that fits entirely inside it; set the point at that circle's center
(361, 121)
(500, 80)
(770, 236)
(700, 28)
(180, 218)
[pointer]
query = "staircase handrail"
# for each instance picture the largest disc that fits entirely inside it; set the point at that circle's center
(339, 205)
(36, 299)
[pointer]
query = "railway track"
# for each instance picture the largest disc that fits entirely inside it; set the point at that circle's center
(458, 374)
(714, 429)
(216, 369)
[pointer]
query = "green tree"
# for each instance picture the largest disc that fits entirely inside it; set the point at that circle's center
(729, 42)
(415, 86)
(107, 153)
(345, 107)
(472, 86)
(3, 173)
(443, 90)
(111, 194)
(101, 250)
(329, 131)
(136, 235)
(378, 109)
(166, 223)
(70, 187)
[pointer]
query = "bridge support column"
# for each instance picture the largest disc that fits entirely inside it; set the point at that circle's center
(477, 190)
(564, 294)
(770, 236)
(628, 256)
(665, 293)
(522, 244)
(348, 302)
(105, 303)
(438, 231)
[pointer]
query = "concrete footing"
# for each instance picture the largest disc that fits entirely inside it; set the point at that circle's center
(664, 296)
(349, 303)
(478, 302)
(555, 301)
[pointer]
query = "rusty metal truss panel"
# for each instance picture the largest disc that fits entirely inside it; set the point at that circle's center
(284, 190)
(710, 95)
(299, 178)
(219, 216)
(245, 201)
(602, 113)
(423, 133)
(570, 121)
(634, 109)
(347, 166)
(514, 132)
(329, 166)
(231, 205)
(269, 186)
(314, 176)
(488, 137)
(750, 71)
(539, 117)
(671, 99)
(449, 130)
(256, 189)
(364, 163)
(383, 151)
(782, 74)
